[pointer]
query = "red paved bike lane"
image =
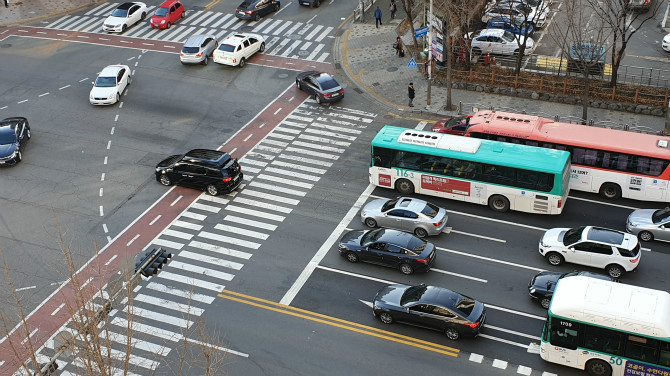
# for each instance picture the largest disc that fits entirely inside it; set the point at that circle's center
(42, 323)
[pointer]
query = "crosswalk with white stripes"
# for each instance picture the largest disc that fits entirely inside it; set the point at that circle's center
(282, 38)
(279, 172)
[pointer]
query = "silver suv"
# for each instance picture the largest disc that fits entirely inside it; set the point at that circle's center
(198, 49)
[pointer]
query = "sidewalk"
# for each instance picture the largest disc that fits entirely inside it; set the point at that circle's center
(29, 11)
(368, 59)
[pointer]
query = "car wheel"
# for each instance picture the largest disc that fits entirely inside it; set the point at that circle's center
(352, 257)
(554, 258)
(420, 232)
(168, 25)
(123, 28)
(499, 203)
(165, 180)
(19, 156)
(406, 269)
(545, 303)
(257, 18)
(212, 190)
(262, 47)
(317, 98)
(297, 84)
(614, 271)
(276, 7)
(118, 97)
(370, 222)
(144, 15)
(205, 60)
(452, 334)
(28, 134)
(183, 14)
(404, 186)
(645, 236)
(610, 191)
(242, 62)
(130, 79)
(597, 367)
(385, 317)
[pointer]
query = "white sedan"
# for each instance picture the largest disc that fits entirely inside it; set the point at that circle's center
(498, 41)
(666, 43)
(125, 16)
(239, 48)
(110, 84)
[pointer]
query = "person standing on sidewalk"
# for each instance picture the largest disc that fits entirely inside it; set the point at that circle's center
(393, 9)
(410, 93)
(399, 48)
(378, 17)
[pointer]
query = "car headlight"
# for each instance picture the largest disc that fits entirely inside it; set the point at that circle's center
(110, 96)
(532, 291)
(162, 22)
(343, 247)
(13, 154)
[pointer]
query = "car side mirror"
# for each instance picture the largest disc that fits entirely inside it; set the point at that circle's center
(93, 83)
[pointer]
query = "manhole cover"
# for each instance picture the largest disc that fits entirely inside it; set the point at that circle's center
(392, 69)
(283, 75)
(240, 113)
(293, 36)
(6, 45)
(303, 53)
(388, 117)
(247, 28)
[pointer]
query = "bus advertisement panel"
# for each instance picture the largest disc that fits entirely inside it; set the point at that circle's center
(608, 328)
(503, 176)
(611, 162)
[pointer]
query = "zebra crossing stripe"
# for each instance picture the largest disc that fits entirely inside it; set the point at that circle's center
(249, 222)
(282, 136)
(135, 360)
(323, 57)
(92, 367)
(211, 16)
(285, 181)
(302, 118)
(305, 160)
(184, 309)
(200, 270)
(312, 153)
(178, 234)
(281, 144)
(222, 19)
(218, 200)
(269, 28)
(96, 24)
(192, 17)
(324, 34)
(280, 46)
(188, 295)
(292, 123)
(192, 215)
(99, 8)
(138, 327)
(153, 348)
(211, 260)
(220, 250)
(255, 213)
(287, 130)
(274, 188)
(189, 281)
(293, 174)
(65, 25)
(324, 140)
(167, 243)
(227, 24)
(260, 25)
(228, 239)
(332, 128)
(209, 208)
(51, 25)
(250, 170)
(241, 231)
(268, 196)
(81, 23)
(314, 31)
(319, 147)
(330, 134)
(291, 48)
(298, 167)
(187, 225)
(293, 29)
(284, 26)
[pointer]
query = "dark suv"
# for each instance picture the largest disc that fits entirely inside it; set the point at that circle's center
(210, 170)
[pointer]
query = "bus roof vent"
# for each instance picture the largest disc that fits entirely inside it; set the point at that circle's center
(662, 144)
(441, 141)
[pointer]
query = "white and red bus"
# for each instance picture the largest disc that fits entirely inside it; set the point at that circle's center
(614, 163)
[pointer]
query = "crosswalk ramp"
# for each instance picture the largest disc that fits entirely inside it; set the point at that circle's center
(282, 37)
(213, 239)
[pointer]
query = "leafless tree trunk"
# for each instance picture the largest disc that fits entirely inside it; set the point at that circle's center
(409, 17)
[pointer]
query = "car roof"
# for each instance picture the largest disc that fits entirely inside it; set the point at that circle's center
(440, 296)
(322, 77)
(125, 6)
(12, 120)
(111, 70)
(238, 38)
(168, 3)
(196, 40)
(491, 32)
(604, 235)
(396, 237)
(208, 156)
(413, 204)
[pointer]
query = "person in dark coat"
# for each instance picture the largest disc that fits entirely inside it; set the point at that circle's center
(378, 17)
(410, 93)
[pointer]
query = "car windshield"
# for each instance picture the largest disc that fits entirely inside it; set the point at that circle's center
(105, 82)
(573, 236)
(508, 36)
(162, 12)
(660, 215)
(372, 236)
(416, 244)
(120, 13)
(629, 252)
(430, 210)
(465, 305)
(390, 204)
(190, 50)
(7, 136)
(412, 294)
(328, 83)
(227, 48)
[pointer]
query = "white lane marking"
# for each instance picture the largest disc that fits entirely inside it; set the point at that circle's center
(132, 240)
(178, 234)
(102, 211)
(185, 309)
(176, 200)
(356, 275)
(200, 270)
(195, 216)
(503, 340)
(58, 309)
(227, 239)
(23, 101)
(25, 288)
(498, 220)
(421, 125)
(138, 327)
(523, 370)
(511, 331)
(216, 199)
(109, 144)
(211, 260)
(256, 213)
(476, 358)
(497, 363)
(189, 281)
(459, 275)
(541, 318)
(64, 87)
(325, 247)
(102, 177)
(188, 225)
(104, 227)
(219, 249)
(153, 348)
(41, 95)
(186, 294)
(479, 236)
(603, 203)
(241, 231)
(111, 259)
(29, 336)
(209, 208)
(249, 222)
(264, 205)
(100, 192)
(278, 189)
(490, 259)
(155, 219)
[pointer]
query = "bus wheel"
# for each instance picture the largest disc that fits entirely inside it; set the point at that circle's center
(597, 367)
(404, 186)
(610, 191)
(499, 203)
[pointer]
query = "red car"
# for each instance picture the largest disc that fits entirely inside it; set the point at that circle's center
(453, 125)
(167, 14)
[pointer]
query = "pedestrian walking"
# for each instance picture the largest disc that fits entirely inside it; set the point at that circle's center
(378, 17)
(399, 48)
(410, 94)
(393, 9)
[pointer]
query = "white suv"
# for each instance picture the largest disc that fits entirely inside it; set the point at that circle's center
(239, 48)
(615, 251)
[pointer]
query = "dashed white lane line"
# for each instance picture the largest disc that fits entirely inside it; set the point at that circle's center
(58, 309)
(109, 144)
(524, 346)
(500, 364)
(479, 236)
(132, 240)
(23, 101)
(523, 370)
(111, 259)
(41, 95)
(102, 177)
(102, 211)
(29, 336)
(112, 131)
(83, 79)
(511, 331)
(176, 201)
(100, 192)
(278, 111)
(459, 275)
(476, 358)
(105, 162)
(104, 227)
(64, 87)
(155, 219)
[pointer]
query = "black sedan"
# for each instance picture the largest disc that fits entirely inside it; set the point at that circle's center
(311, 3)
(14, 136)
(255, 9)
(430, 307)
(322, 86)
(541, 287)
(395, 249)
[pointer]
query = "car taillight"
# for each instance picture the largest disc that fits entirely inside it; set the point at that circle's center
(226, 180)
(423, 261)
(199, 54)
(341, 91)
(635, 260)
(249, 12)
(473, 325)
(438, 224)
(326, 95)
(181, 53)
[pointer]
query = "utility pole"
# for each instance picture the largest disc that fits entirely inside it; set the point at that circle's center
(430, 52)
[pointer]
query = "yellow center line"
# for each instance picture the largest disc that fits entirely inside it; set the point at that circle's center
(211, 4)
(334, 321)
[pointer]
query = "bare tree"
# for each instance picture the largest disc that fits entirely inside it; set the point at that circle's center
(409, 17)
(623, 18)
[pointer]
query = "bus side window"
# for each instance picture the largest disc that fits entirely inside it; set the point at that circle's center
(605, 340)
(563, 336)
(382, 157)
(664, 359)
(641, 348)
